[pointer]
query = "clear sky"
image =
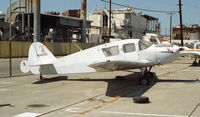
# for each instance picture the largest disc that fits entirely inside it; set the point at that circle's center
(191, 8)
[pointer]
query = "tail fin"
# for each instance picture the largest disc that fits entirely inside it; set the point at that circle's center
(38, 55)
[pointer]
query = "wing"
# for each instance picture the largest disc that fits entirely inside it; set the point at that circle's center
(191, 52)
(113, 65)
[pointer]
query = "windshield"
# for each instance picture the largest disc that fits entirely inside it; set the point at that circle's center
(154, 40)
(160, 38)
(144, 44)
(163, 42)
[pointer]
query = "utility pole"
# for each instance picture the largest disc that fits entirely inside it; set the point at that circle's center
(10, 44)
(181, 26)
(170, 25)
(84, 22)
(110, 21)
(36, 10)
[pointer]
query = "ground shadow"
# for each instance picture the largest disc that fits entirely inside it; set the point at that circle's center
(49, 80)
(127, 87)
(198, 65)
(177, 80)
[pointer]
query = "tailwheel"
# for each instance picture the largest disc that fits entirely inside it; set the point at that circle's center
(41, 77)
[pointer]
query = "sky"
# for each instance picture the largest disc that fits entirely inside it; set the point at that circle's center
(190, 8)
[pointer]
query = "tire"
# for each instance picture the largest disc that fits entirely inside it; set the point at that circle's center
(194, 63)
(144, 81)
(141, 99)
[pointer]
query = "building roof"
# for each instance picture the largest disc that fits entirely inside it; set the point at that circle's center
(148, 17)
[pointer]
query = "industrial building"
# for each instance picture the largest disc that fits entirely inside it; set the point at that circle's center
(54, 27)
(67, 26)
(189, 33)
(125, 24)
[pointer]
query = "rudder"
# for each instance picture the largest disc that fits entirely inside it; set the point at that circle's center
(38, 55)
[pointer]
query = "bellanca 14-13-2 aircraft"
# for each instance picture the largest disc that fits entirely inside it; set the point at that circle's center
(118, 55)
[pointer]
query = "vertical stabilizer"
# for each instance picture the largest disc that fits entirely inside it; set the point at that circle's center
(38, 55)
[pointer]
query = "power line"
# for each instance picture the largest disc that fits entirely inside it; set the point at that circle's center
(149, 10)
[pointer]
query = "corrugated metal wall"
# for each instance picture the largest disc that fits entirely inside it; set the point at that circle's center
(20, 49)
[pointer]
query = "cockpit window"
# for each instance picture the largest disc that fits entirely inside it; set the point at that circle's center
(129, 47)
(160, 38)
(144, 44)
(111, 51)
(153, 39)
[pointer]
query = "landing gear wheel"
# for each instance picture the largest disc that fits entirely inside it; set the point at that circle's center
(144, 81)
(194, 63)
(199, 62)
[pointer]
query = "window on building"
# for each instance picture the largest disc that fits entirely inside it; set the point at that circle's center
(111, 51)
(129, 48)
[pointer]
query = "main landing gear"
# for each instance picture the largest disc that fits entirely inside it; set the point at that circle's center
(195, 62)
(146, 76)
(41, 77)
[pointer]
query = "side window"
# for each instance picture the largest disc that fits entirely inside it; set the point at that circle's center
(129, 48)
(111, 51)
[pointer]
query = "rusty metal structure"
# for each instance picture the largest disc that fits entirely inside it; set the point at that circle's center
(189, 33)
(53, 27)
(152, 23)
(72, 13)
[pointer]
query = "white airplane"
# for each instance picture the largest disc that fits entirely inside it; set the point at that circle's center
(195, 52)
(118, 55)
(156, 39)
